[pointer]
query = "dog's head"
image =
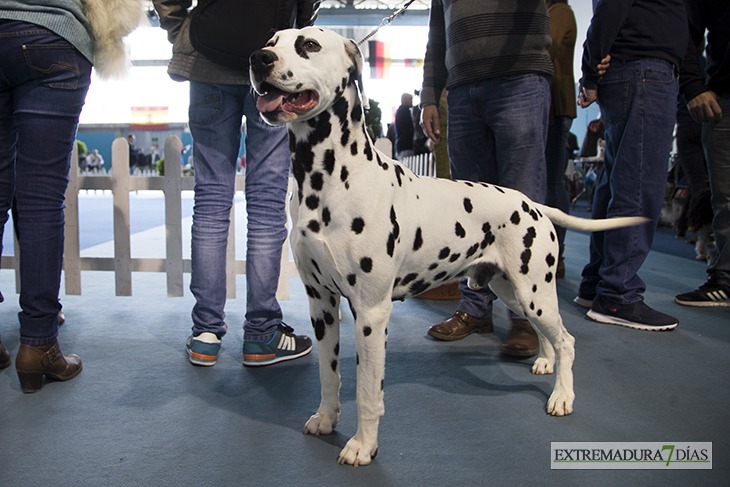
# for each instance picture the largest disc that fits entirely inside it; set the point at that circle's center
(301, 72)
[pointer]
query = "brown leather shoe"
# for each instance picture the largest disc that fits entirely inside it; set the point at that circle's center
(459, 326)
(33, 362)
(521, 341)
(4, 357)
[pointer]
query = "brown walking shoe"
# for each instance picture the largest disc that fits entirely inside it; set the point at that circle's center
(459, 326)
(521, 341)
(4, 357)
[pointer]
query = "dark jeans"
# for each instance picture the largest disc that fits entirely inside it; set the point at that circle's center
(638, 104)
(496, 132)
(556, 158)
(716, 140)
(43, 84)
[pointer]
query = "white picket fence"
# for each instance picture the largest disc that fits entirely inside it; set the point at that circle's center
(421, 165)
(120, 182)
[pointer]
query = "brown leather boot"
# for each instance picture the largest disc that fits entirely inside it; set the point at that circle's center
(521, 341)
(33, 362)
(4, 357)
(459, 326)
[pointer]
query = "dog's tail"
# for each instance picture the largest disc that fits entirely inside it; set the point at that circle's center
(589, 225)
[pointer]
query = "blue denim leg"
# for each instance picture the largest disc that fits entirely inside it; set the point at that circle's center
(43, 85)
(267, 176)
(556, 158)
(215, 115)
(716, 140)
(497, 130)
(638, 106)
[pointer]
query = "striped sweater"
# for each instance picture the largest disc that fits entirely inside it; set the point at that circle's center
(472, 40)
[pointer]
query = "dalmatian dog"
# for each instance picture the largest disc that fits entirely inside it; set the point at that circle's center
(367, 229)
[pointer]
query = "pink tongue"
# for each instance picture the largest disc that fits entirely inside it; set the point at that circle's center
(270, 101)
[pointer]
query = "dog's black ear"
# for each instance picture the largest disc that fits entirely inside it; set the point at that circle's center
(357, 64)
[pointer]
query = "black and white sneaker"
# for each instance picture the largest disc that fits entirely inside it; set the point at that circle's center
(710, 294)
(637, 315)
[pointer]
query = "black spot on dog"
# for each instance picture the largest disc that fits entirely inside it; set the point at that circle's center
(418, 241)
(334, 365)
(351, 279)
(322, 128)
(459, 230)
(367, 331)
(532, 306)
(345, 137)
(316, 180)
(356, 113)
(398, 173)
(525, 256)
(312, 201)
(352, 310)
(344, 174)
(539, 312)
(472, 250)
(366, 264)
(534, 288)
(469, 184)
(368, 151)
(313, 225)
(533, 214)
(440, 275)
(299, 86)
(550, 260)
(326, 217)
(454, 257)
(419, 286)
(337, 349)
(333, 301)
(340, 108)
(318, 326)
(444, 253)
(467, 205)
(329, 161)
(393, 237)
(525, 207)
(433, 266)
(529, 237)
(408, 278)
(316, 266)
(328, 318)
(548, 277)
(488, 235)
(499, 189)
(299, 47)
(396, 282)
(357, 225)
(353, 148)
(552, 236)
(515, 218)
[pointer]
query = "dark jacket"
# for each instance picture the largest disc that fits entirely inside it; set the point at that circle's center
(403, 129)
(713, 15)
(630, 30)
(188, 64)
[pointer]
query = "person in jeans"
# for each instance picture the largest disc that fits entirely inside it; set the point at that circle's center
(563, 31)
(498, 102)
(220, 96)
(46, 52)
(708, 100)
(646, 40)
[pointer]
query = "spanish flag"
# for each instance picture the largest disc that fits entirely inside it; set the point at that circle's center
(379, 59)
(149, 118)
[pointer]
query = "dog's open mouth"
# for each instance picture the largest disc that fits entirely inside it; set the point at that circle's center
(274, 100)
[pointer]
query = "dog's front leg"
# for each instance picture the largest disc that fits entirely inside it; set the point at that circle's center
(371, 332)
(324, 310)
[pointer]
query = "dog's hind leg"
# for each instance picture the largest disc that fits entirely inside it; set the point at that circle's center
(371, 332)
(324, 311)
(546, 357)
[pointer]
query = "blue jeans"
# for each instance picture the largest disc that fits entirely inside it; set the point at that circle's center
(556, 158)
(716, 141)
(215, 114)
(497, 130)
(43, 85)
(638, 102)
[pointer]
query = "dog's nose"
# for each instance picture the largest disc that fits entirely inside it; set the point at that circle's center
(262, 59)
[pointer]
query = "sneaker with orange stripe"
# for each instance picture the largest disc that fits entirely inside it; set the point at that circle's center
(285, 345)
(203, 349)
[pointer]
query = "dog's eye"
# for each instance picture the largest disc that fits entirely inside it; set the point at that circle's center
(311, 46)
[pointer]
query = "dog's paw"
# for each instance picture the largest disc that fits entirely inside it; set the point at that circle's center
(356, 454)
(560, 404)
(320, 424)
(543, 366)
